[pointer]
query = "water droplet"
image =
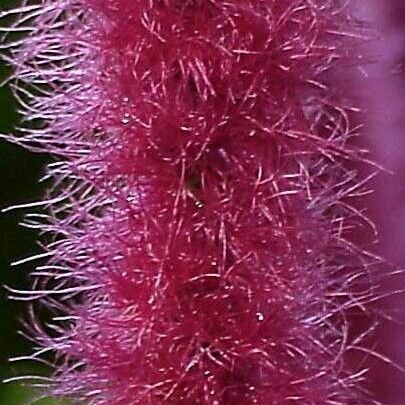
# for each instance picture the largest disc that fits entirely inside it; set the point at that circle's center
(199, 204)
(125, 118)
(260, 316)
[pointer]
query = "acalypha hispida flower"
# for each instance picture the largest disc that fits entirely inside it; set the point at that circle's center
(201, 224)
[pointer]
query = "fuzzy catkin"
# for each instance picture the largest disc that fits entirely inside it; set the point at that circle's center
(200, 221)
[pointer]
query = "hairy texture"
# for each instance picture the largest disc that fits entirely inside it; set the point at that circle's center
(200, 224)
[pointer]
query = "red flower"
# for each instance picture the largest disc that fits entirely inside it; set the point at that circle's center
(202, 207)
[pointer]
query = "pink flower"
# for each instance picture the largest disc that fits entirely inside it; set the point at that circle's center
(201, 221)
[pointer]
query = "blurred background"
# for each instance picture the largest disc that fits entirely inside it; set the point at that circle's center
(19, 174)
(384, 97)
(20, 171)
